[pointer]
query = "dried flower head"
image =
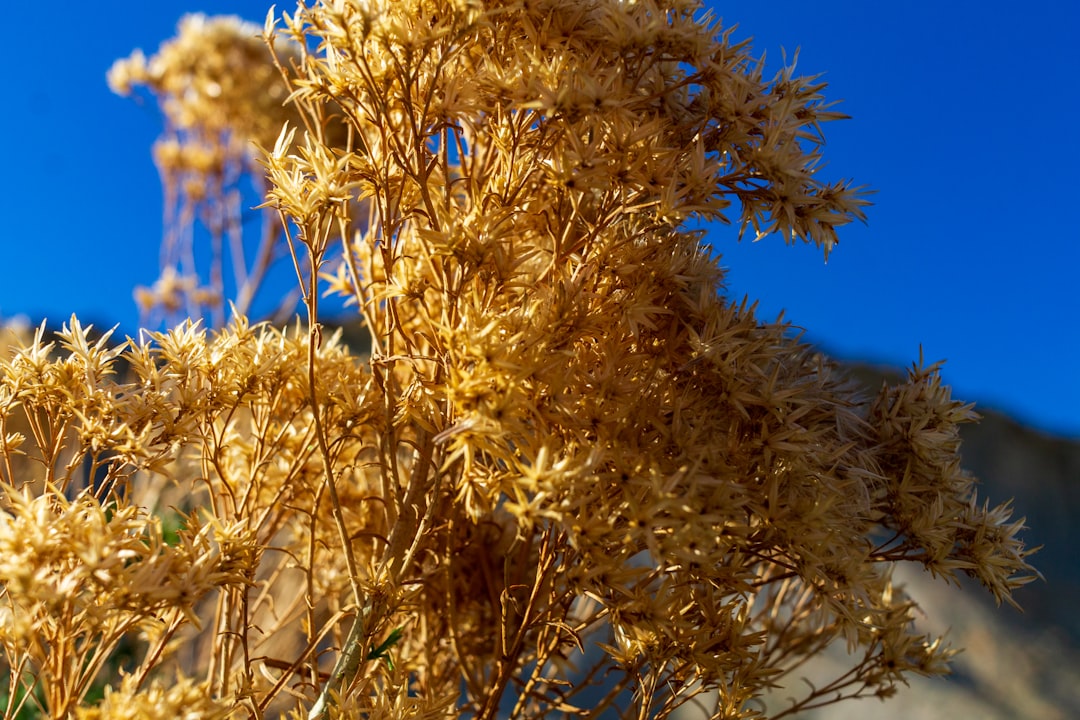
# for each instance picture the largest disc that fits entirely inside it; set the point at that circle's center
(222, 98)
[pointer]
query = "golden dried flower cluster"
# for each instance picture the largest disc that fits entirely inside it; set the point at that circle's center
(570, 477)
(219, 94)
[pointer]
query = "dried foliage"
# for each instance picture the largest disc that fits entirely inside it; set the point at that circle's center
(219, 94)
(570, 477)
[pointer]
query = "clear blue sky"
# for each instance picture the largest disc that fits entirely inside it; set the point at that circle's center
(964, 121)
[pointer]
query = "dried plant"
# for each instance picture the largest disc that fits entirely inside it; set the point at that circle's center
(569, 478)
(216, 88)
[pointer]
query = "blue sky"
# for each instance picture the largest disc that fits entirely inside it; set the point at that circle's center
(964, 121)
